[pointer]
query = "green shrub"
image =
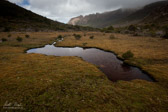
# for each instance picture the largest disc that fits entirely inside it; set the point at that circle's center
(9, 35)
(128, 55)
(19, 39)
(7, 29)
(65, 36)
(153, 25)
(27, 36)
(165, 35)
(108, 31)
(110, 28)
(152, 33)
(84, 44)
(60, 37)
(112, 37)
(132, 28)
(91, 37)
(4, 39)
(136, 34)
(101, 30)
(77, 37)
(165, 27)
(126, 31)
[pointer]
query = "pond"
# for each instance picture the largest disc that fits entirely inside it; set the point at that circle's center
(107, 62)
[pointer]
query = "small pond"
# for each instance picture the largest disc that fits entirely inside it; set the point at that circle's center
(107, 62)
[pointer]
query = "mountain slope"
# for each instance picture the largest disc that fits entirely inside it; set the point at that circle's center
(141, 14)
(101, 20)
(119, 17)
(15, 18)
(158, 16)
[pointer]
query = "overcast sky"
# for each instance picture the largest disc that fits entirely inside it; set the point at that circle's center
(64, 10)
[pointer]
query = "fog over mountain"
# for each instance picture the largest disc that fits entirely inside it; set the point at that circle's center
(63, 10)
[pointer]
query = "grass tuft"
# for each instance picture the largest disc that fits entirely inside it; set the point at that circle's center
(19, 39)
(127, 55)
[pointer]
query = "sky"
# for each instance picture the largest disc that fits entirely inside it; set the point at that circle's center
(64, 10)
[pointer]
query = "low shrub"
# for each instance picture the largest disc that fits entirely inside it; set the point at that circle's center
(27, 36)
(4, 39)
(9, 35)
(112, 37)
(7, 29)
(110, 28)
(126, 32)
(132, 28)
(128, 55)
(165, 27)
(135, 34)
(108, 31)
(59, 37)
(152, 33)
(84, 44)
(165, 35)
(65, 36)
(153, 25)
(19, 39)
(91, 37)
(77, 37)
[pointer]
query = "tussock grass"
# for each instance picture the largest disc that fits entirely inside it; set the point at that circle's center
(48, 83)
(143, 48)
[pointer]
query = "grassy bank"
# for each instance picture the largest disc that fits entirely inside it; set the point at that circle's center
(48, 83)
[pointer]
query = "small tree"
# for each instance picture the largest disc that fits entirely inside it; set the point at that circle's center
(19, 39)
(128, 55)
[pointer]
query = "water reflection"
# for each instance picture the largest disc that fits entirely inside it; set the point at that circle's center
(106, 61)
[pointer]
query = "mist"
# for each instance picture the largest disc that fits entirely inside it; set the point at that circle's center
(64, 10)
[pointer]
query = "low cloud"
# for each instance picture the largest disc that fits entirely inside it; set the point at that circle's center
(63, 10)
(16, 1)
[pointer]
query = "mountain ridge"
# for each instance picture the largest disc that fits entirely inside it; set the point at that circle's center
(16, 18)
(120, 17)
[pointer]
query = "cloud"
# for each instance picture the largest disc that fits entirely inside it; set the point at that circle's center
(20, 2)
(16, 1)
(63, 10)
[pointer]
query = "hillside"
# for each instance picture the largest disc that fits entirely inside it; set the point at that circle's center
(120, 17)
(158, 16)
(16, 18)
(100, 20)
(143, 13)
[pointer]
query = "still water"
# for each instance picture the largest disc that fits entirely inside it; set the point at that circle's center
(107, 62)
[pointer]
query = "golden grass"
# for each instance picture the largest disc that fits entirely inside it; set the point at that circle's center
(48, 83)
(150, 53)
